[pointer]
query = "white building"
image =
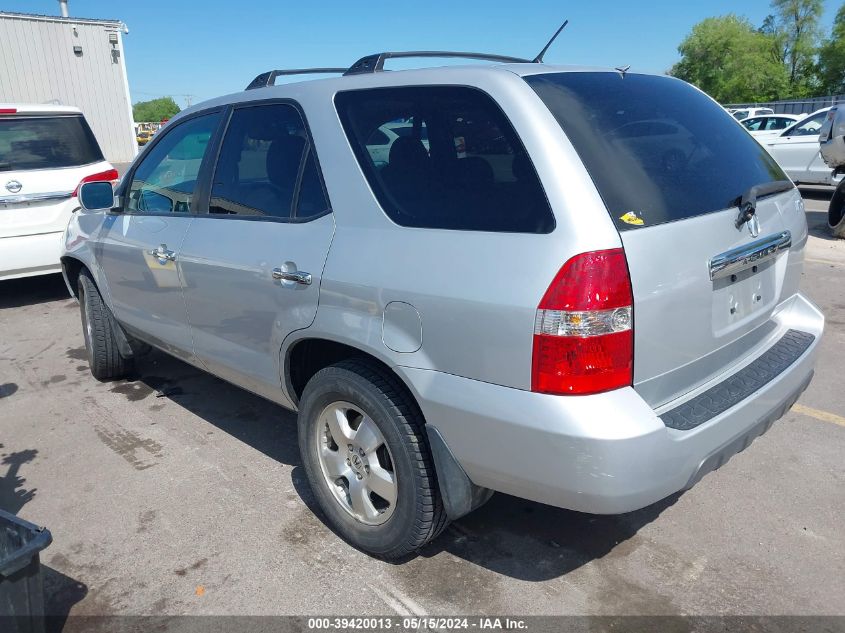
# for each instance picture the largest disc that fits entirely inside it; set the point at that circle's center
(71, 61)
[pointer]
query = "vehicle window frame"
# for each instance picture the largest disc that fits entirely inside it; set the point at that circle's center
(359, 151)
(205, 201)
(202, 174)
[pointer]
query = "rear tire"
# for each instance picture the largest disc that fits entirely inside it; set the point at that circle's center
(341, 459)
(98, 328)
(836, 212)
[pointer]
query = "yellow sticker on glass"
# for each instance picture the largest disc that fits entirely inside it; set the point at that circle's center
(631, 218)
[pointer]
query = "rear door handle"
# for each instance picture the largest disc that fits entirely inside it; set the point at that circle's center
(162, 254)
(297, 276)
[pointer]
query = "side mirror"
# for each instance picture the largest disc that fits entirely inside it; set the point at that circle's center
(96, 196)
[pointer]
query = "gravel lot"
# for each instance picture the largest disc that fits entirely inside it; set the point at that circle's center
(176, 493)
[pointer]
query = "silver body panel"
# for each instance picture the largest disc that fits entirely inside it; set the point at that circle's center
(452, 312)
(145, 292)
(239, 314)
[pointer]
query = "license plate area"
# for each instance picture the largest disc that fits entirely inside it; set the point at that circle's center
(744, 296)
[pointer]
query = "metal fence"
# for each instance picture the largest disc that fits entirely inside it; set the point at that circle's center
(792, 106)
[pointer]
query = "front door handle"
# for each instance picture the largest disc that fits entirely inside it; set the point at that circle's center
(163, 255)
(297, 276)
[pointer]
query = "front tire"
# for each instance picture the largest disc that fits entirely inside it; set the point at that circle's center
(99, 330)
(364, 449)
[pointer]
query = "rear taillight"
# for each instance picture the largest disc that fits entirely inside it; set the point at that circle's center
(583, 336)
(108, 175)
(8, 110)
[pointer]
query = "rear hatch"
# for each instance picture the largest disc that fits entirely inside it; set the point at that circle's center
(673, 169)
(43, 158)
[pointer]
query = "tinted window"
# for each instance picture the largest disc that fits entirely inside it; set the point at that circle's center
(704, 164)
(378, 138)
(264, 152)
(46, 143)
(311, 199)
(166, 178)
(454, 160)
(777, 123)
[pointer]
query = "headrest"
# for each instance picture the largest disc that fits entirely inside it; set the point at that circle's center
(408, 152)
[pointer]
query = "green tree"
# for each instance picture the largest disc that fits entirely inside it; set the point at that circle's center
(732, 61)
(832, 58)
(155, 110)
(797, 23)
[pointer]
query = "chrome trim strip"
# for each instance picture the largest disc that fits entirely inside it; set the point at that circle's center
(746, 256)
(36, 197)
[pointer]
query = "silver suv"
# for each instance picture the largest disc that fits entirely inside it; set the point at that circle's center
(575, 286)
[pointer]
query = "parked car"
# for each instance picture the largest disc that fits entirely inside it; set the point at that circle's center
(740, 114)
(796, 150)
(143, 137)
(769, 125)
(46, 152)
(530, 305)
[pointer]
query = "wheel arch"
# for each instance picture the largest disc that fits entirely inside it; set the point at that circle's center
(304, 357)
(71, 269)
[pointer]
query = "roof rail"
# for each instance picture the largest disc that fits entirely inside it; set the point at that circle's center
(375, 63)
(269, 78)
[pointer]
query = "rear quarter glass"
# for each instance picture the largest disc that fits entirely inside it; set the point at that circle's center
(46, 142)
(452, 159)
(657, 149)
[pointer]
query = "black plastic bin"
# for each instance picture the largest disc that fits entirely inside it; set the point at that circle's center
(21, 582)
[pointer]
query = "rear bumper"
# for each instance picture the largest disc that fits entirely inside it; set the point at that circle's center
(29, 255)
(607, 453)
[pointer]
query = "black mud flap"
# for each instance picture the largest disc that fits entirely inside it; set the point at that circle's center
(460, 495)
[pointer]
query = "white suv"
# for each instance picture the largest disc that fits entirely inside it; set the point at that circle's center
(46, 152)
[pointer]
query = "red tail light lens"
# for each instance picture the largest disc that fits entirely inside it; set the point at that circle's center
(8, 110)
(108, 175)
(583, 336)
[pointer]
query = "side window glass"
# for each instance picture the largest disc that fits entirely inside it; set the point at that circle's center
(810, 127)
(312, 200)
(755, 124)
(260, 163)
(453, 160)
(166, 179)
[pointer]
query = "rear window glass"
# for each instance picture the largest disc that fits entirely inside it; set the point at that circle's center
(657, 149)
(444, 157)
(46, 143)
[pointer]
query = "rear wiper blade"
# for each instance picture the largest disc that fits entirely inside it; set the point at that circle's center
(747, 202)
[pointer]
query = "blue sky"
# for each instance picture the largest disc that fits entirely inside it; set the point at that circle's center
(206, 48)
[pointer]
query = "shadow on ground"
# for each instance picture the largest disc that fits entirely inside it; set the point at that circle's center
(17, 293)
(61, 593)
(817, 225)
(510, 536)
(13, 495)
(817, 193)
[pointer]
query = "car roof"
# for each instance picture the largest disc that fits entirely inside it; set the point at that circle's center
(39, 108)
(792, 117)
(454, 75)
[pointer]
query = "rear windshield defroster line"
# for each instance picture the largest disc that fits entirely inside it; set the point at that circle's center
(657, 149)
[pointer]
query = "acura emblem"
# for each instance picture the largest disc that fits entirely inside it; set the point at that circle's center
(13, 186)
